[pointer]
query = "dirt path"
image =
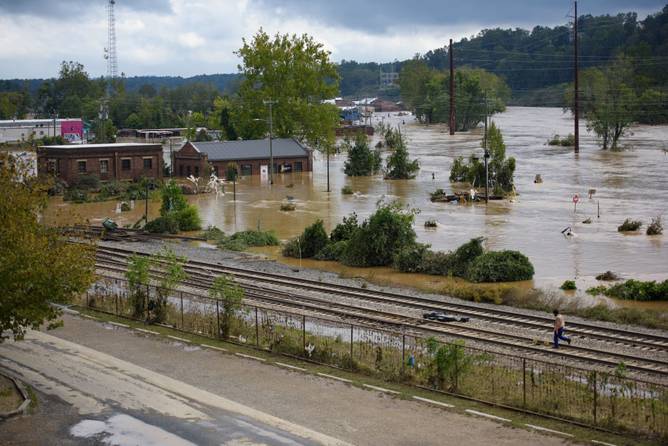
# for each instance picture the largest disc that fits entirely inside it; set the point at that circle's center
(193, 393)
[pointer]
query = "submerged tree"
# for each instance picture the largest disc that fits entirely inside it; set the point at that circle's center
(501, 169)
(362, 160)
(37, 266)
(399, 165)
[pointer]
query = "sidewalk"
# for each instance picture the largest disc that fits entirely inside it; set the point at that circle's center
(330, 408)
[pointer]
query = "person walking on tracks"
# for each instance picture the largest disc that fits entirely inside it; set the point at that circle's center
(559, 327)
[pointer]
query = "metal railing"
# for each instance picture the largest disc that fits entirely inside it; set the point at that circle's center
(595, 398)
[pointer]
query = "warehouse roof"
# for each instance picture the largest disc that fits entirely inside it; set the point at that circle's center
(251, 149)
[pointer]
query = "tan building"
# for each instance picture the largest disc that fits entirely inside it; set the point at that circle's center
(115, 161)
(251, 157)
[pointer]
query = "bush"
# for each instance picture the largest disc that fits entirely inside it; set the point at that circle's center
(568, 285)
(110, 189)
(345, 230)
(608, 276)
(430, 224)
(163, 224)
(567, 141)
(438, 194)
(240, 241)
(332, 251)
(464, 256)
(172, 198)
(410, 259)
(377, 240)
(500, 266)
(288, 207)
(88, 182)
(639, 290)
(437, 263)
(655, 227)
(362, 161)
(188, 218)
(347, 190)
(75, 195)
(212, 233)
(313, 239)
(629, 225)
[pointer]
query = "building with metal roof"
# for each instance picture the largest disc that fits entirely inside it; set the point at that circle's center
(252, 157)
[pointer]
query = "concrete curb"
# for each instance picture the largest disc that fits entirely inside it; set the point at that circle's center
(23, 407)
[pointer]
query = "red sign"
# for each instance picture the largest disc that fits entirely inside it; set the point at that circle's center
(576, 198)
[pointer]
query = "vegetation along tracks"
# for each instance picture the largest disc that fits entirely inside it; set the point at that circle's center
(201, 275)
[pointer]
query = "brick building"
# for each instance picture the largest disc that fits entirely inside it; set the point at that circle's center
(251, 157)
(117, 161)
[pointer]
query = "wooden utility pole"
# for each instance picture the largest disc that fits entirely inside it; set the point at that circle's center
(576, 93)
(271, 130)
(452, 91)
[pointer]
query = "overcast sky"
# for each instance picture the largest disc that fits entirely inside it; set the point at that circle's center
(188, 37)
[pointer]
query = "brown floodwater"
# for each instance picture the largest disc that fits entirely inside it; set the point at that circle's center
(630, 183)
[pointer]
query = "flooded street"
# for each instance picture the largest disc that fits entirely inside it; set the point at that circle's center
(631, 183)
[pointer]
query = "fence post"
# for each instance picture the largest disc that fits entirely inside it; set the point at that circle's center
(403, 352)
(116, 303)
(524, 382)
(182, 324)
(148, 296)
(456, 368)
(303, 334)
(257, 330)
(87, 300)
(595, 397)
(217, 320)
(351, 346)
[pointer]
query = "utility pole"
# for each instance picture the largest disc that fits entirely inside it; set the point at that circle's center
(486, 155)
(327, 148)
(452, 91)
(576, 95)
(271, 151)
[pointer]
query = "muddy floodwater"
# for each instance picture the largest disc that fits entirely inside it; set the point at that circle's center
(631, 183)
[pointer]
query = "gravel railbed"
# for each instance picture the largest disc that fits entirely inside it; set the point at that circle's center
(259, 263)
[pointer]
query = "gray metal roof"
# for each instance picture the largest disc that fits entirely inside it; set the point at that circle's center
(251, 149)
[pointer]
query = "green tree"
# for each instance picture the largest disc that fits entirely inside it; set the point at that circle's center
(171, 272)
(221, 118)
(295, 72)
(37, 266)
(230, 296)
(173, 199)
(362, 161)
(138, 275)
(399, 166)
(313, 239)
(609, 101)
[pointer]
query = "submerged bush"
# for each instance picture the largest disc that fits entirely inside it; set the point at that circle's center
(410, 259)
(75, 195)
(629, 225)
(347, 190)
(639, 290)
(332, 251)
(313, 239)
(437, 263)
(568, 285)
(501, 266)
(212, 233)
(161, 225)
(567, 141)
(462, 258)
(188, 218)
(362, 161)
(345, 229)
(240, 241)
(655, 227)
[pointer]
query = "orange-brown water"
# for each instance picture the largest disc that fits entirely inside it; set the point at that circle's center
(631, 183)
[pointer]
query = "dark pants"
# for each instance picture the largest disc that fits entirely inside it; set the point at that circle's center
(559, 334)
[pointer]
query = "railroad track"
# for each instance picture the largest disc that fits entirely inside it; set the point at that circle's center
(201, 276)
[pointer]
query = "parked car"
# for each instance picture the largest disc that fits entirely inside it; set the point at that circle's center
(443, 317)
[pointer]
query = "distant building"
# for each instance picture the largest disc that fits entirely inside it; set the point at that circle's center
(17, 130)
(115, 161)
(251, 157)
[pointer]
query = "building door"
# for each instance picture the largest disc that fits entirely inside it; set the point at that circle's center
(264, 172)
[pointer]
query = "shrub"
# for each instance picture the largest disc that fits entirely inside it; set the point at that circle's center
(75, 195)
(188, 218)
(212, 233)
(629, 225)
(410, 259)
(655, 227)
(376, 241)
(256, 238)
(608, 275)
(110, 189)
(332, 251)
(438, 194)
(88, 182)
(163, 224)
(639, 290)
(430, 224)
(437, 263)
(313, 239)
(463, 257)
(567, 141)
(347, 190)
(568, 285)
(501, 266)
(172, 198)
(288, 207)
(345, 230)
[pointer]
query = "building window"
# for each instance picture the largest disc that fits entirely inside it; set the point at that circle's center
(286, 167)
(81, 166)
(181, 170)
(246, 169)
(196, 171)
(148, 163)
(298, 166)
(104, 166)
(189, 170)
(126, 164)
(215, 170)
(51, 166)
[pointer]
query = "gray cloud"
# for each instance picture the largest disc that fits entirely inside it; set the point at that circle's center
(77, 8)
(381, 17)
